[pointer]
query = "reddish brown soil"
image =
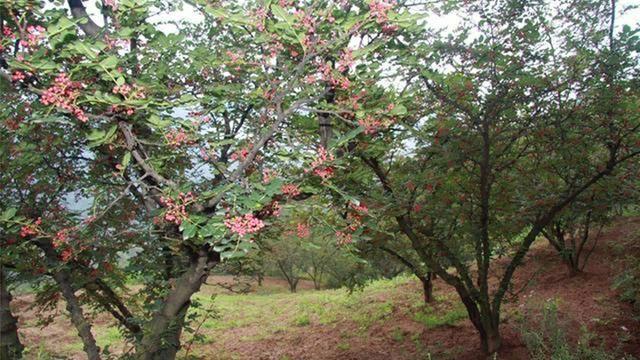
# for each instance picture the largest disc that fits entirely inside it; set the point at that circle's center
(584, 300)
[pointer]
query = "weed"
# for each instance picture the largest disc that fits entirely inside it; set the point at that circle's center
(302, 320)
(397, 334)
(548, 340)
(432, 319)
(39, 353)
(108, 337)
(628, 283)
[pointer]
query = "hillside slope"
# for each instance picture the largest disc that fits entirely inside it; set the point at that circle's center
(386, 320)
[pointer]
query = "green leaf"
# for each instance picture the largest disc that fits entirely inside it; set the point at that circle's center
(273, 187)
(287, 22)
(44, 65)
(96, 135)
(213, 229)
(347, 137)
(217, 12)
(8, 214)
(53, 120)
(211, 193)
(233, 254)
(188, 230)
(109, 63)
(367, 49)
(220, 248)
(59, 30)
(111, 134)
(125, 32)
(157, 122)
(99, 137)
(126, 160)
(398, 110)
(90, 51)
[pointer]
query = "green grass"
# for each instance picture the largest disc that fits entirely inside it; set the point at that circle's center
(432, 319)
(398, 335)
(270, 313)
(302, 320)
(39, 353)
(274, 312)
(73, 347)
(108, 336)
(307, 307)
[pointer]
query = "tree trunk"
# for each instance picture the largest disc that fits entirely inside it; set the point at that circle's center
(62, 278)
(293, 285)
(317, 278)
(170, 340)
(427, 287)
(162, 340)
(10, 345)
(487, 324)
(78, 319)
(491, 341)
(572, 267)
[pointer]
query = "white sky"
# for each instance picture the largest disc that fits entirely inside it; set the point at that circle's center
(436, 21)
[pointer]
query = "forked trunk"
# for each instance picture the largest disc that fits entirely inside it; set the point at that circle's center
(572, 268)
(162, 339)
(486, 324)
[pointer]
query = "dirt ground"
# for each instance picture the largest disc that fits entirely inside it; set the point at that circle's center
(586, 299)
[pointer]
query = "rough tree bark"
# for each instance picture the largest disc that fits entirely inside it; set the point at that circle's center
(63, 278)
(10, 345)
(162, 341)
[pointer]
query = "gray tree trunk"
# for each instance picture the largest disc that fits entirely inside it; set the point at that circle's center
(10, 345)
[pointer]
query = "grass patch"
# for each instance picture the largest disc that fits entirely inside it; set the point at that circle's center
(344, 346)
(73, 347)
(39, 353)
(377, 312)
(397, 334)
(302, 320)
(546, 338)
(432, 319)
(272, 312)
(108, 337)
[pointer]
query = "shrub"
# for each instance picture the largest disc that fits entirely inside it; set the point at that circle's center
(628, 283)
(549, 341)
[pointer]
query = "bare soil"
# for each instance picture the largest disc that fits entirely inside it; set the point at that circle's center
(585, 300)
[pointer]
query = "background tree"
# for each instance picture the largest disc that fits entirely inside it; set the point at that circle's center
(574, 234)
(524, 92)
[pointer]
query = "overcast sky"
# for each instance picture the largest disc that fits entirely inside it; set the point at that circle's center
(437, 21)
